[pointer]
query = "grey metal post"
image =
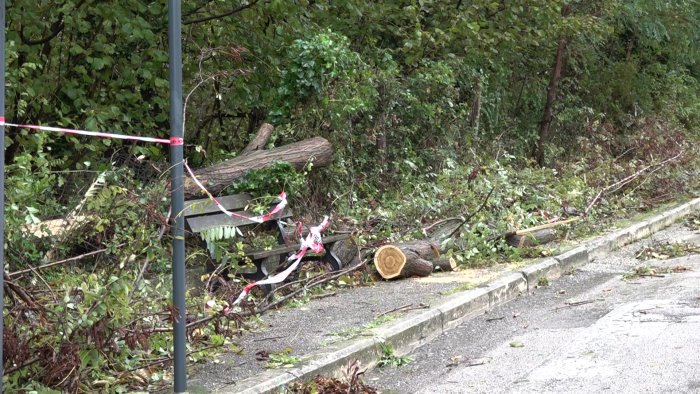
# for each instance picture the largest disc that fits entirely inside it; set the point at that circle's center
(177, 199)
(2, 185)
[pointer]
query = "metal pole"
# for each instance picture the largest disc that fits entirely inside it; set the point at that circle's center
(2, 185)
(177, 199)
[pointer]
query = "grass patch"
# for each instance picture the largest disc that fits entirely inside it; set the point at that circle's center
(353, 332)
(390, 359)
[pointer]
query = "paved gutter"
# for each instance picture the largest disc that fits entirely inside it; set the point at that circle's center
(419, 327)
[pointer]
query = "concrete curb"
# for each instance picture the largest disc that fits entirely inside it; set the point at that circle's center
(406, 334)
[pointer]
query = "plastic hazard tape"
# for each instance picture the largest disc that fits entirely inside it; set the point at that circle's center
(257, 219)
(167, 141)
(313, 241)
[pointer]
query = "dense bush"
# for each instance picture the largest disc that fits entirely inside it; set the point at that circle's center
(431, 107)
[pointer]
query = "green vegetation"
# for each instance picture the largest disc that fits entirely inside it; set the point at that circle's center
(282, 359)
(552, 104)
(666, 250)
(353, 332)
(389, 359)
(653, 271)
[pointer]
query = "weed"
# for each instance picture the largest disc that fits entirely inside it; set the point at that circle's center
(353, 332)
(283, 359)
(463, 287)
(693, 222)
(391, 359)
(543, 281)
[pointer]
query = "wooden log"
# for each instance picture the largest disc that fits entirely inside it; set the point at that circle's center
(258, 142)
(347, 251)
(531, 238)
(445, 264)
(426, 250)
(316, 150)
(392, 261)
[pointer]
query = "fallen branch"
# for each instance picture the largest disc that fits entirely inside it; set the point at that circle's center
(624, 181)
(312, 283)
(395, 310)
(49, 265)
(468, 218)
(578, 303)
(315, 281)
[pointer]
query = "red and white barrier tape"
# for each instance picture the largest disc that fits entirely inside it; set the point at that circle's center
(257, 219)
(168, 141)
(312, 241)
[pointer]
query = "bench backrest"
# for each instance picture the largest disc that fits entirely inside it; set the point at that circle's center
(203, 214)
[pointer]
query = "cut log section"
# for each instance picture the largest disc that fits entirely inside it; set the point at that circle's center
(445, 264)
(531, 238)
(347, 252)
(316, 150)
(392, 261)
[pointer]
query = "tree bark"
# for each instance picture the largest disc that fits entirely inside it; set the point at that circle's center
(445, 265)
(260, 138)
(393, 262)
(533, 238)
(347, 251)
(551, 95)
(215, 178)
(475, 113)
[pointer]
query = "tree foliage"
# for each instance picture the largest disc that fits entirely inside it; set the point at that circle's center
(428, 103)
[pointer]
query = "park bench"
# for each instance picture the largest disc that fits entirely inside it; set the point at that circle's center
(202, 215)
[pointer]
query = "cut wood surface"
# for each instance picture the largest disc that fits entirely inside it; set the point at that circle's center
(258, 142)
(393, 261)
(215, 178)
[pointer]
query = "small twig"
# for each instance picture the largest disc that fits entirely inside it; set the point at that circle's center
(311, 284)
(41, 278)
(394, 310)
(14, 369)
(578, 303)
(652, 275)
(545, 226)
(496, 318)
(466, 220)
(269, 338)
(324, 295)
(166, 359)
(439, 222)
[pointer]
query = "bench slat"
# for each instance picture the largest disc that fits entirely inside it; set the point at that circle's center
(287, 249)
(205, 206)
(198, 224)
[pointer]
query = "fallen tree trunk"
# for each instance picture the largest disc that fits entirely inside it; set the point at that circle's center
(406, 259)
(260, 138)
(316, 150)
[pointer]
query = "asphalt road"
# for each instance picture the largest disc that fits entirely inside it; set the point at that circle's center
(589, 332)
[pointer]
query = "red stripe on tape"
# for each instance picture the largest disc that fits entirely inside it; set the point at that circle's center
(168, 141)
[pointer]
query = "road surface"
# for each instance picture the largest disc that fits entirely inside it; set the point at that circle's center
(598, 330)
